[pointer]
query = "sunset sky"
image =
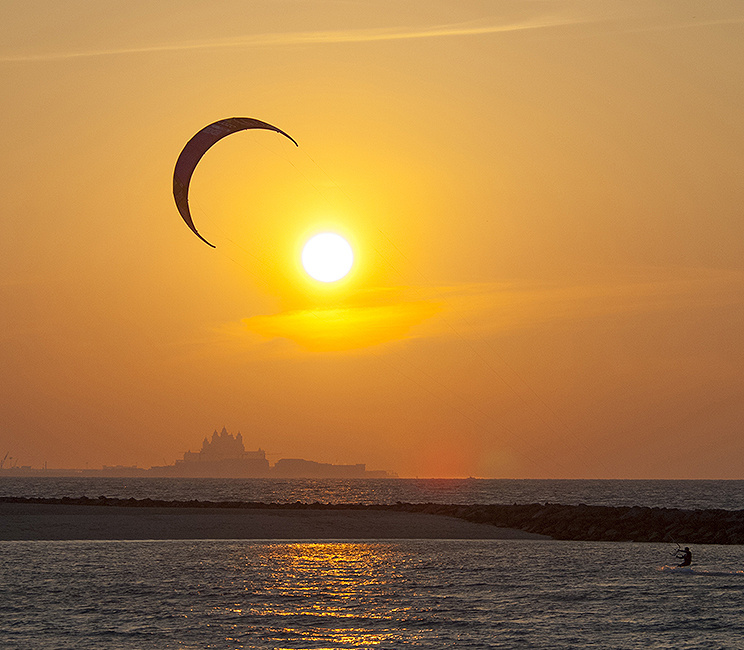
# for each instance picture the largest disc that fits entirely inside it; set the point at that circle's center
(545, 200)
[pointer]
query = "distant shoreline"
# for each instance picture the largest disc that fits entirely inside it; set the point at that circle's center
(532, 521)
(307, 470)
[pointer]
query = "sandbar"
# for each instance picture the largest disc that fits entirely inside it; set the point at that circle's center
(24, 521)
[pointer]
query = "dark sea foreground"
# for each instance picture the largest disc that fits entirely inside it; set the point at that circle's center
(411, 593)
(686, 495)
(386, 594)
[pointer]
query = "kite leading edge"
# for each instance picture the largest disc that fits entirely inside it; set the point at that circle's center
(194, 150)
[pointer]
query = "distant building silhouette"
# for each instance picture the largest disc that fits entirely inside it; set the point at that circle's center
(299, 468)
(223, 446)
(224, 456)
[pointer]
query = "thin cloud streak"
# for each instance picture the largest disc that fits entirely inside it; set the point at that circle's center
(689, 25)
(476, 310)
(310, 38)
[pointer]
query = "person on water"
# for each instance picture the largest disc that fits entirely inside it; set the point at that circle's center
(686, 557)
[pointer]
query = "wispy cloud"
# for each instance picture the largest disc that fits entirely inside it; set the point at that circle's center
(369, 320)
(478, 310)
(689, 24)
(496, 307)
(568, 14)
(312, 38)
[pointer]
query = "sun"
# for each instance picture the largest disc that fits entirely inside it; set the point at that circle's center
(327, 257)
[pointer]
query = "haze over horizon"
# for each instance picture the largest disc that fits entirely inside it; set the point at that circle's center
(544, 201)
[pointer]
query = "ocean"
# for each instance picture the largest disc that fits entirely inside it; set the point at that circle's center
(688, 495)
(230, 594)
(385, 594)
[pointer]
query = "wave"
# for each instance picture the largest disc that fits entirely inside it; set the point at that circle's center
(673, 568)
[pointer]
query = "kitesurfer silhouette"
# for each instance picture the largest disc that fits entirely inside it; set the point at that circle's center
(686, 557)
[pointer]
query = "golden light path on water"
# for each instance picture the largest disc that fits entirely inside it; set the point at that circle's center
(315, 586)
(415, 593)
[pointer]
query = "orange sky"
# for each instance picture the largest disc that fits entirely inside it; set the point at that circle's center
(544, 199)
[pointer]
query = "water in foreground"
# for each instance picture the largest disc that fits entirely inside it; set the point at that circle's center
(381, 594)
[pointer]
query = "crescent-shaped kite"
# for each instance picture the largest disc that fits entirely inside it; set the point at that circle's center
(196, 148)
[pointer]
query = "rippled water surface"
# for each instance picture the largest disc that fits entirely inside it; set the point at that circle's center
(384, 594)
(689, 495)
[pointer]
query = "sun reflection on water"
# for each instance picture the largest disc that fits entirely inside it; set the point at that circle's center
(335, 595)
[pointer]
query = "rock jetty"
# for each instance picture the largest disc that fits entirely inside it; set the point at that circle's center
(564, 522)
(601, 523)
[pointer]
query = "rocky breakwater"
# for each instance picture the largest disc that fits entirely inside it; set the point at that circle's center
(580, 523)
(600, 523)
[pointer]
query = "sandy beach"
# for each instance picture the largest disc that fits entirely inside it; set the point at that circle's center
(23, 521)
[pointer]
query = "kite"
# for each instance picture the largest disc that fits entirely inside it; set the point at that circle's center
(194, 150)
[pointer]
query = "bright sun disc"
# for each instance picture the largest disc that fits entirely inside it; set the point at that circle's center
(327, 257)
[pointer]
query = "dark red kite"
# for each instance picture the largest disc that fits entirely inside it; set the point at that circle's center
(196, 148)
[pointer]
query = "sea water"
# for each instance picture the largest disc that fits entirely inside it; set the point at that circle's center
(689, 495)
(377, 594)
(221, 594)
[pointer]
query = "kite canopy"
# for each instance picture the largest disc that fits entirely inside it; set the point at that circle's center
(196, 148)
